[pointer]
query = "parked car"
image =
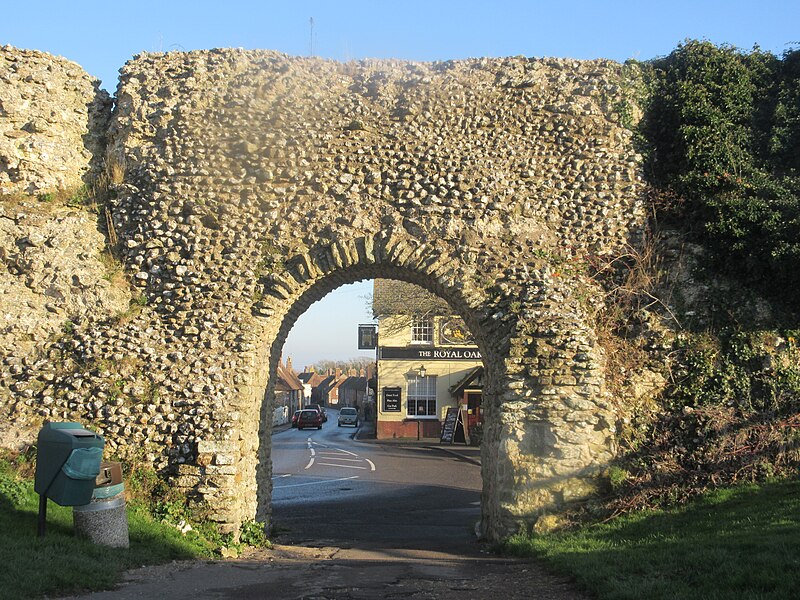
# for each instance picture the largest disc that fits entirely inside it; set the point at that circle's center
(348, 416)
(309, 418)
(295, 416)
(319, 408)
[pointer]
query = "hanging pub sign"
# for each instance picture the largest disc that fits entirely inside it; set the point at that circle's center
(453, 332)
(367, 337)
(391, 399)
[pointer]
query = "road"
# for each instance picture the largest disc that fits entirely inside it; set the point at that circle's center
(329, 489)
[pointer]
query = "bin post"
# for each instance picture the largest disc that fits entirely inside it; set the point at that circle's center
(42, 525)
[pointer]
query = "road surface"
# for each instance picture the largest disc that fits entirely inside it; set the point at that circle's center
(331, 489)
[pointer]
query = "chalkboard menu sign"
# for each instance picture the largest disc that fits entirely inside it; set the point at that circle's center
(391, 399)
(453, 427)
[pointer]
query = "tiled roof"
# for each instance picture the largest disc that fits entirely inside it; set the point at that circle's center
(393, 297)
(354, 383)
(287, 379)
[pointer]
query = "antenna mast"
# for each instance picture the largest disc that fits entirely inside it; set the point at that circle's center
(311, 36)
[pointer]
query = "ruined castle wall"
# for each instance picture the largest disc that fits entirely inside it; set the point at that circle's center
(53, 119)
(256, 183)
(54, 271)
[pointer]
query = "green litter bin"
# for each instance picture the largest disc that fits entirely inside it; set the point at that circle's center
(67, 462)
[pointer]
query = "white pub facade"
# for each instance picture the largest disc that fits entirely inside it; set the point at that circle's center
(425, 356)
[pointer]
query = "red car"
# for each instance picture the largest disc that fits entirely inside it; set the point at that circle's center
(320, 409)
(309, 418)
(295, 416)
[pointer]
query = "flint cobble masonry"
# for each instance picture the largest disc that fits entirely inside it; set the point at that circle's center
(255, 183)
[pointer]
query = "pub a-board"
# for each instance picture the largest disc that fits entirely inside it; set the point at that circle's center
(453, 429)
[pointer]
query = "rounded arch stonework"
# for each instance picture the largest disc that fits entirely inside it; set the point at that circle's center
(254, 183)
(549, 424)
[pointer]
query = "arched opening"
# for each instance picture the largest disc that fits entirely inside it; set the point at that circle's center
(336, 484)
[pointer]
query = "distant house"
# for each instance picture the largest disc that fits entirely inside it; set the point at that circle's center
(324, 388)
(353, 391)
(288, 388)
(310, 379)
(319, 392)
(333, 390)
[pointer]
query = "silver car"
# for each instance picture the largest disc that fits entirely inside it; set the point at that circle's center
(348, 416)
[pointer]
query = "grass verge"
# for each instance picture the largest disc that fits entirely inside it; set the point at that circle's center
(60, 563)
(741, 542)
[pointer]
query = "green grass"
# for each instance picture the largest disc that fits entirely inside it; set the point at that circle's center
(742, 542)
(60, 563)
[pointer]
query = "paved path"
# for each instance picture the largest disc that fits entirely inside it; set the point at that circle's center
(328, 573)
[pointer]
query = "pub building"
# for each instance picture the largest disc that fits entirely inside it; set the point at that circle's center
(427, 362)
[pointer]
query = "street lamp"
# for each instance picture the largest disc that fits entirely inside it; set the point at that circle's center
(421, 371)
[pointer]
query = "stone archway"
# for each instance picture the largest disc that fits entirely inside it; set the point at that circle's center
(319, 283)
(254, 182)
(549, 427)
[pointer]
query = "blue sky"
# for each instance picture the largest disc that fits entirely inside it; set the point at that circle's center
(102, 36)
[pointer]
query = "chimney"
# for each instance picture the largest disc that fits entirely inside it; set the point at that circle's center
(338, 373)
(289, 363)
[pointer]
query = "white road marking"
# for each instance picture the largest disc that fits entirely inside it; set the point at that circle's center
(280, 487)
(337, 454)
(282, 476)
(346, 452)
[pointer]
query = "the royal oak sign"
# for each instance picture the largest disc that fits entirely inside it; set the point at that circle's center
(429, 353)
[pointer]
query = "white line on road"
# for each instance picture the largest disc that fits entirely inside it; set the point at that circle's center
(280, 487)
(335, 457)
(371, 464)
(346, 452)
(310, 462)
(282, 476)
(342, 466)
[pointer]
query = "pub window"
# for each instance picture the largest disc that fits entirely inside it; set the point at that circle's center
(422, 330)
(421, 396)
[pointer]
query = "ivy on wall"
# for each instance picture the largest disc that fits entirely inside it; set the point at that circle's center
(721, 130)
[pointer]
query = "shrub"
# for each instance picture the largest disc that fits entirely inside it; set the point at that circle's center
(722, 130)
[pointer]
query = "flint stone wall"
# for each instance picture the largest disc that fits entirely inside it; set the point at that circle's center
(256, 183)
(53, 119)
